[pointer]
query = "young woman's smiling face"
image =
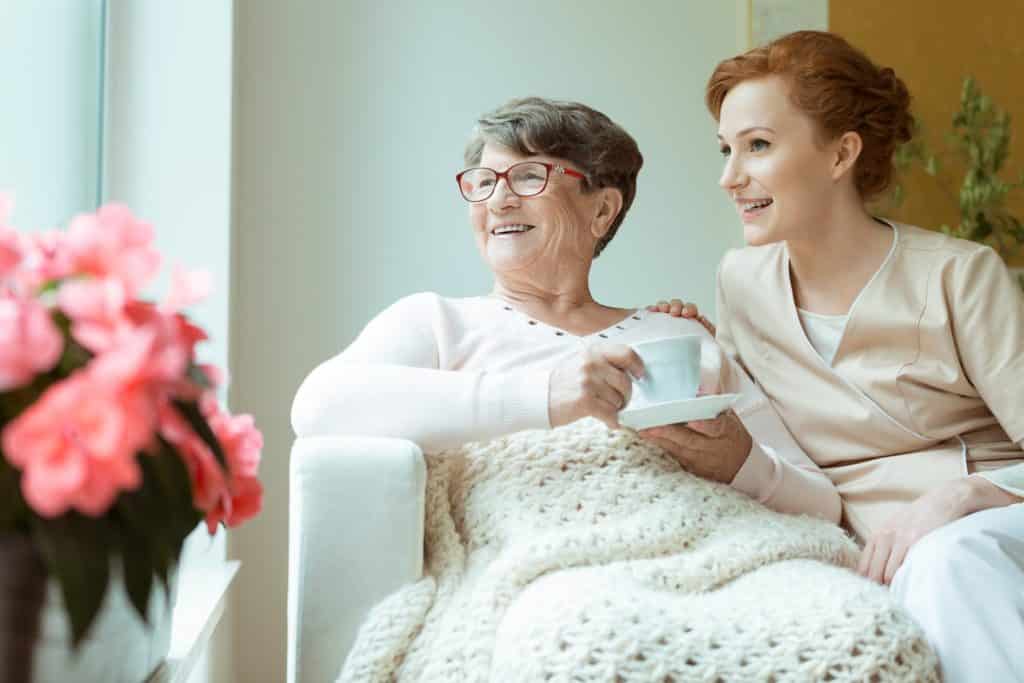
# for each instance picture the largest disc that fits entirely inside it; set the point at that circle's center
(778, 171)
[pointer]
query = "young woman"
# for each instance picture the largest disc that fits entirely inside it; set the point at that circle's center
(894, 355)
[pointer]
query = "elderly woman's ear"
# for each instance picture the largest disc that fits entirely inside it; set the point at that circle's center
(609, 204)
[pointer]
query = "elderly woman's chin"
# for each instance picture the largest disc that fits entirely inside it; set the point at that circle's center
(510, 253)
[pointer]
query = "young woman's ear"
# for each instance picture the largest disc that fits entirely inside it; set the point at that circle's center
(608, 207)
(847, 151)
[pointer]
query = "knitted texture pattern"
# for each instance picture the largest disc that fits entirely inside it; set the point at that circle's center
(583, 554)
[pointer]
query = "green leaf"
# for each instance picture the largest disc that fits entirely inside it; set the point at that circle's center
(196, 374)
(160, 514)
(190, 411)
(76, 551)
(138, 573)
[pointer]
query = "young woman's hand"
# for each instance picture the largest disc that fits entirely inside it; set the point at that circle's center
(596, 382)
(887, 548)
(713, 449)
(677, 309)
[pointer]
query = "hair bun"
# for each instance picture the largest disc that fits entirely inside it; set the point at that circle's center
(894, 91)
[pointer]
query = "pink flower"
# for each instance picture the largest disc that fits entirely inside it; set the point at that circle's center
(134, 341)
(242, 444)
(11, 251)
(209, 481)
(46, 258)
(96, 310)
(77, 445)
(187, 288)
(113, 243)
(30, 343)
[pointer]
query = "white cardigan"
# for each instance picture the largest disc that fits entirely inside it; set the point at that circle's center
(442, 372)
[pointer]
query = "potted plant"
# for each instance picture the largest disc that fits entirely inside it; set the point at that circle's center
(979, 142)
(113, 446)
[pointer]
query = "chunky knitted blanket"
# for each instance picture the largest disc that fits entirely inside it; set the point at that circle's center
(582, 554)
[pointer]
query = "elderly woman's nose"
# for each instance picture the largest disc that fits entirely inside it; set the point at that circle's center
(503, 195)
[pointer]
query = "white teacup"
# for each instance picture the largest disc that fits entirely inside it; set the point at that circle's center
(671, 370)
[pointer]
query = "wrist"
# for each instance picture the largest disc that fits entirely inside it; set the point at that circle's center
(982, 494)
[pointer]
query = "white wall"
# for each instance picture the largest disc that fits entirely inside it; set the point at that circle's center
(50, 118)
(338, 105)
(168, 156)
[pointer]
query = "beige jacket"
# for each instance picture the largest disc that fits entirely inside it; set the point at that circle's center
(927, 384)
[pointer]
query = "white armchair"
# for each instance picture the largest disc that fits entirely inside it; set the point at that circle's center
(337, 569)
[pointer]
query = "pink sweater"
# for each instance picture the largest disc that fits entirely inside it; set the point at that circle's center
(442, 372)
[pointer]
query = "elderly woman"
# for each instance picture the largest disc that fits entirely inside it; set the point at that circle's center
(548, 186)
(894, 354)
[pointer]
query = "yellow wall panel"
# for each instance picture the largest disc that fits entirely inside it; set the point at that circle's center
(933, 46)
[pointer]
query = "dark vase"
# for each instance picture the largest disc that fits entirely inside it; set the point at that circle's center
(35, 633)
(22, 593)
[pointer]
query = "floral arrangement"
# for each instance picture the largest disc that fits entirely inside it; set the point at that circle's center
(114, 447)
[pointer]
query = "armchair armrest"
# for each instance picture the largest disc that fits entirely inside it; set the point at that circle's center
(355, 535)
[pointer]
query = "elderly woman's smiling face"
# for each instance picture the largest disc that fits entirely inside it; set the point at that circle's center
(538, 235)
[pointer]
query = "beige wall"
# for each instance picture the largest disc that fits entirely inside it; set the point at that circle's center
(933, 46)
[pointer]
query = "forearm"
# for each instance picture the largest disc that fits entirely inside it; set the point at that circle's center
(785, 487)
(777, 472)
(436, 409)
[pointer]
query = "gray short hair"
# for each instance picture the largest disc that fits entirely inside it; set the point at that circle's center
(600, 148)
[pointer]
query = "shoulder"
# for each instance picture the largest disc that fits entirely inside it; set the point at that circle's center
(940, 245)
(433, 304)
(954, 257)
(428, 308)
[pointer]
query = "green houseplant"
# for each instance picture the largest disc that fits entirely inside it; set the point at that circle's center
(979, 142)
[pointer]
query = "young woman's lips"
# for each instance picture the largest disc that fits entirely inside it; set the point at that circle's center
(751, 210)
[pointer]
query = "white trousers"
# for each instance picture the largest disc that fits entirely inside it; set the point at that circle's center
(964, 585)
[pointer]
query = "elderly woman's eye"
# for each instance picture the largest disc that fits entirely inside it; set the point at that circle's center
(759, 145)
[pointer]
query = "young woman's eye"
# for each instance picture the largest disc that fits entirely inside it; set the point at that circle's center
(724, 150)
(759, 145)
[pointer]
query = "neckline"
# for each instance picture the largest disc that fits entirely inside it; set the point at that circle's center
(632, 318)
(853, 307)
(822, 316)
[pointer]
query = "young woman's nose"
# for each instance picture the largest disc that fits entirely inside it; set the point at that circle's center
(733, 177)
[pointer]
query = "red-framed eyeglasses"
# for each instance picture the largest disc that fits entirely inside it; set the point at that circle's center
(525, 179)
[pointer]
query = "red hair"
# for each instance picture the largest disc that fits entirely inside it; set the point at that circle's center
(838, 87)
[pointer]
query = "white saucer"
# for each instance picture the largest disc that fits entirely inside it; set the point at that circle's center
(671, 412)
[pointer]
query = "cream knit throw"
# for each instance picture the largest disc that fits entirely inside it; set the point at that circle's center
(582, 554)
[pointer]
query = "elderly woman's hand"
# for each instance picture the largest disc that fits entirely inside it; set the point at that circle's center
(677, 309)
(713, 449)
(595, 383)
